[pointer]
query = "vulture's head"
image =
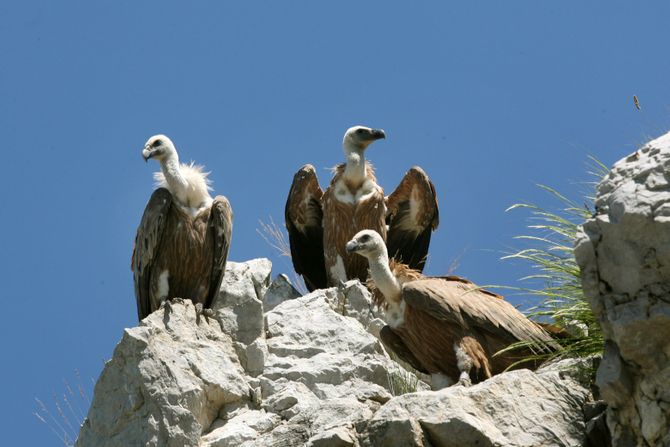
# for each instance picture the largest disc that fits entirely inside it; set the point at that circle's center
(358, 138)
(158, 147)
(367, 243)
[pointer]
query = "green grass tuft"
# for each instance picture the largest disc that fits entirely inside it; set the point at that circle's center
(401, 381)
(557, 280)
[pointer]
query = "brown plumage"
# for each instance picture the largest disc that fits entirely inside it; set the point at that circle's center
(320, 223)
(412, 215)
(445, 325)
(303, 217)
(183, 238)
(342, 220)
(405, 273)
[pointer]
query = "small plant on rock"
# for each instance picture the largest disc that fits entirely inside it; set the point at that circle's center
(402, 381)
(558, 278)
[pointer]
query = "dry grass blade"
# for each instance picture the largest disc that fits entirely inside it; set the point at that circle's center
(276, 237)
(62, 414)
(50, 421)
(69, 414)
(71, 403)
(82, 394)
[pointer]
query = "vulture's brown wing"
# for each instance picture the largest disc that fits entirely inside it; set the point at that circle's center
(468, 283)
(412, 214)
(395, 344)
(464, 304)
(147, 240)
(221, 226)
(304, 216)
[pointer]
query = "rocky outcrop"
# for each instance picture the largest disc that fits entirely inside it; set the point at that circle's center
(166, 383)
(519, 408)
(624, 256)
(308, 372)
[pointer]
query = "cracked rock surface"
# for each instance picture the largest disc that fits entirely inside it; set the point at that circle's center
(624, 256)
(310, 371)
(165, 383)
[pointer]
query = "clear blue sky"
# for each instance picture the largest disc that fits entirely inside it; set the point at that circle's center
(489, 97)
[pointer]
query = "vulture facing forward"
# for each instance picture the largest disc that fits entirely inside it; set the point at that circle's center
(320, 223)
(444, 326)
(182, 242)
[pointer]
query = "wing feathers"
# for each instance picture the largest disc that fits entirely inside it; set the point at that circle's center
(392, 341)
(221, 226)
(412, 215)
(465, 305)
(304, 215)
(147, 241)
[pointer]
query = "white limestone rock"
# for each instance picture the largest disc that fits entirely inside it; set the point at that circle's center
(580, 369)
(239, 309)
(336, 437)
(519, 408)
(324, 371)
(165, 383)
(239, 304)
(353, 299)
(624, 256)
(303, 374)
(289, 398)
(308, 342)
(244, 427)
(279, 291)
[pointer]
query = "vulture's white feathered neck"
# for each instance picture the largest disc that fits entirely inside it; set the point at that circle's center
(355, 167)
(187, 183)
(384, 278)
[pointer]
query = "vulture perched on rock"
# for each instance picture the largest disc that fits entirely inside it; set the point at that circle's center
(320, 223)
(444, 326)
(182, 242)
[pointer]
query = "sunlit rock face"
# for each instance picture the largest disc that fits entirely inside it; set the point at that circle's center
(624, 256)
(310, 371)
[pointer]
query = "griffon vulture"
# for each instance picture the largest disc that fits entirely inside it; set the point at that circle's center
(444, 326)
(182, 242)
(320, 223)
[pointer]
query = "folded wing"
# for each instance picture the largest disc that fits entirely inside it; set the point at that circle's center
(474, 310)
(147, 240)
(221, 226)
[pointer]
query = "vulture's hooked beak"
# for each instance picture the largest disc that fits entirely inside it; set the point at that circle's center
(351, 247)
(378, 134)
(147, 154)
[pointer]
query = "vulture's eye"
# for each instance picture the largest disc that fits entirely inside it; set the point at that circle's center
(360, 131)
(365, 238)
(156, 143)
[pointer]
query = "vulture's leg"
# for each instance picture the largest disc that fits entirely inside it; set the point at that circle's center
(166, 303)
(471, 361)
(201, 310)
(341, 287)
(464, 363)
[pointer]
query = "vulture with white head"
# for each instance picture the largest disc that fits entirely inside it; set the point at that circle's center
(444, 326)
(182, 242)
(320, 223)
